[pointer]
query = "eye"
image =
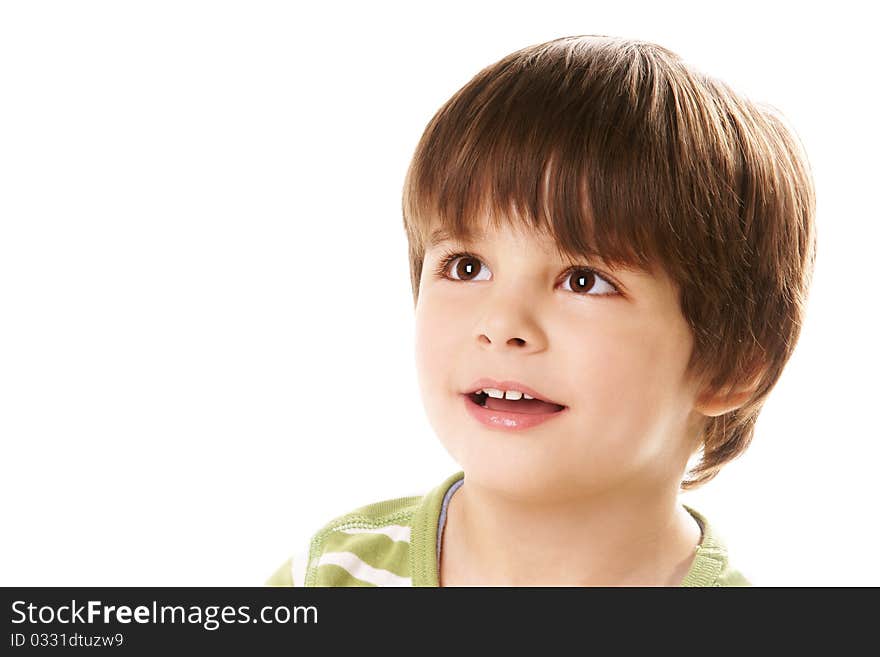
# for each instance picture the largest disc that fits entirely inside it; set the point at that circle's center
(586, 280)
(467, 265)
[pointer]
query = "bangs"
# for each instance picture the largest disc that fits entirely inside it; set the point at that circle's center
(511, 182)
(559, 208)
(583, 153)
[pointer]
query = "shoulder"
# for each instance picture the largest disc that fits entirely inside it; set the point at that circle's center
(371, 545)
(368, 546)
(712, 564)
(283, 576)
(732, 577)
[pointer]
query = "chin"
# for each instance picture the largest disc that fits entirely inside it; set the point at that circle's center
(510, 476)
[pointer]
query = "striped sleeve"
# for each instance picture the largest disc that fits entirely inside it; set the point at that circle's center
(292, 572)
(364, 556)
(369, 546)
(283, 576)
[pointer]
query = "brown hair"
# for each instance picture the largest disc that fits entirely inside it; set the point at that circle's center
(616, 148)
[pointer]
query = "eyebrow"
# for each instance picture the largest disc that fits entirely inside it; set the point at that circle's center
(439, 235)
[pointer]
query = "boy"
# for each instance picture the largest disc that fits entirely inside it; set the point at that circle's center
(610, 255)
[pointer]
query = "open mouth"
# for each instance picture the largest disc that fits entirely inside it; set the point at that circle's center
(522, 405)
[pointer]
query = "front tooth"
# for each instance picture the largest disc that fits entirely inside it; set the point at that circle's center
(527, 396)
(513, 394)
(494, 392)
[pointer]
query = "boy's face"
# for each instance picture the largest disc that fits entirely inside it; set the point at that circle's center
(517, 311)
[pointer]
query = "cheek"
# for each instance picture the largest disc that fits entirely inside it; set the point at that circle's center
(434, 347)
(626, 374)
(437, 350)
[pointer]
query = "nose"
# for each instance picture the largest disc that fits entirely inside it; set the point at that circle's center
(515, 342)
(510, 324)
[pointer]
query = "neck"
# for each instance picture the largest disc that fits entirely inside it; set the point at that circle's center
(613, 538)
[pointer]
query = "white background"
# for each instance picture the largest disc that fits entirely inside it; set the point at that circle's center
(206, 324)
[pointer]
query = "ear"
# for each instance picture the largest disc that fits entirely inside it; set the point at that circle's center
(723, 402)
(729, 400)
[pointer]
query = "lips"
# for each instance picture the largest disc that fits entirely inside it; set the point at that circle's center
(486, 382)
(501, 418)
